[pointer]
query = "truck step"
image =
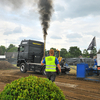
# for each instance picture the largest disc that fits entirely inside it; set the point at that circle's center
(34, 63)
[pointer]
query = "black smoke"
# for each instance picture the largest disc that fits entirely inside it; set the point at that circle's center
(45, 11)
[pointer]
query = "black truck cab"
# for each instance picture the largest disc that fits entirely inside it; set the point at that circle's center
(30, 54)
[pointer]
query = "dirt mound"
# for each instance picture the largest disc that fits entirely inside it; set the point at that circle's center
(6, 65)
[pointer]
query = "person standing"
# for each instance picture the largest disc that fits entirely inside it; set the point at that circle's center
(51, 63)
(95, 61)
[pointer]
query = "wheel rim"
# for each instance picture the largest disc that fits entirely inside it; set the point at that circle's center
(22, 67)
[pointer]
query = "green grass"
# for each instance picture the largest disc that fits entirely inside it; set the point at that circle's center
(14, 65)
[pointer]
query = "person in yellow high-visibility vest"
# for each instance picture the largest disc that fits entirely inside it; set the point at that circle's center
(51, 63)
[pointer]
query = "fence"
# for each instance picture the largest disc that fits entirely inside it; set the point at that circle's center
(11, 57)
(75, 61)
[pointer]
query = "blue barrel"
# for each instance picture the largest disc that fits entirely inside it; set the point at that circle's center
(81, 70)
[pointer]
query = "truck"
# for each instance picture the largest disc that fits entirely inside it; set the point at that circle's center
(30, 54)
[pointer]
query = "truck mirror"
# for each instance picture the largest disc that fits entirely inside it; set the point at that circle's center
(18, 49)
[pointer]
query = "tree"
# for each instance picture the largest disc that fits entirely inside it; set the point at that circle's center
(13, 49)
(68, 55)
(2, 50)
(63, 53)
(93, 52)
(53, 48)
(99, 51)
(10, 46)
(85, 53)
(75, 51)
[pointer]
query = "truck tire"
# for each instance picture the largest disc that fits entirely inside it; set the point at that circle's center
(23, 68)
(43, 71)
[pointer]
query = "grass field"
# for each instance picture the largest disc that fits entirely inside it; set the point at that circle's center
(73, 69)
(14, 65)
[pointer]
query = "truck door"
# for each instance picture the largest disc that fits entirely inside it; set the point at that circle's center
(21, 52)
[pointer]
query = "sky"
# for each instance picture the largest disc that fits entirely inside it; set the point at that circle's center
(73, 23)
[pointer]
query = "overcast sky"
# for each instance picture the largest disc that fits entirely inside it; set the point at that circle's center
(73, 23)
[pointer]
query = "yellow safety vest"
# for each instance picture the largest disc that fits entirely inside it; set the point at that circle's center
(50, 64)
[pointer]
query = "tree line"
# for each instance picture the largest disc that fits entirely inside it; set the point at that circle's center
(72, 52)
(76, 52)
(11, 48)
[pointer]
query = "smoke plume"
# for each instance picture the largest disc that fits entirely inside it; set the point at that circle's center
(45, 10)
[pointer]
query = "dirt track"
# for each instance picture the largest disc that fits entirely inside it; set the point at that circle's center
(73, 88)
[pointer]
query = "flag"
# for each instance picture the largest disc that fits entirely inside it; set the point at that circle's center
(92, 44)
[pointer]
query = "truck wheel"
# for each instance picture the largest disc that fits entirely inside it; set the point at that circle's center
(43, 71)
(23, 68)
